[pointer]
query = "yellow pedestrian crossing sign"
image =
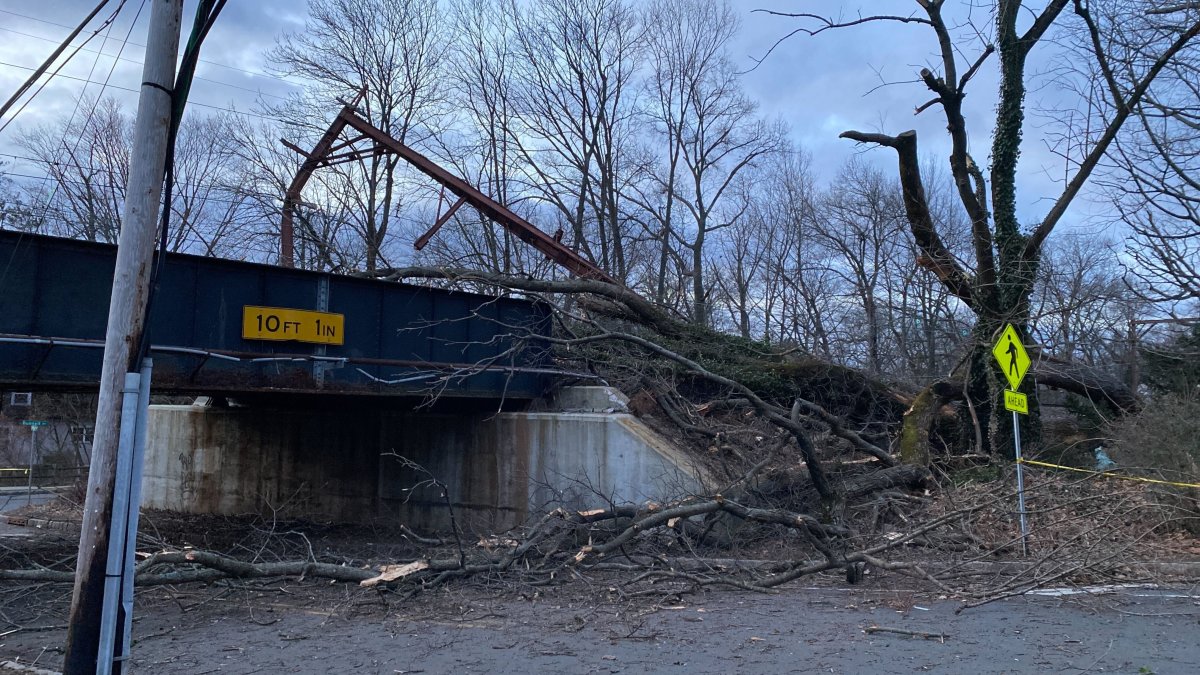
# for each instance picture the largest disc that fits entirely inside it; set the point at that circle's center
(1011, 355)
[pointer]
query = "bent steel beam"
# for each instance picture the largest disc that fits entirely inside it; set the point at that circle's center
(312, 160)
(518, 226)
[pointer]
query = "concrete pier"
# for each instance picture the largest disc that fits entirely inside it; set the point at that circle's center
(498, 469)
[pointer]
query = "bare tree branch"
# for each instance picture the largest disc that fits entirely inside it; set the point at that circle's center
(1089, 163)
(939, 259)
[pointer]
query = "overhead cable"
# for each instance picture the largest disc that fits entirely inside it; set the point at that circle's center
(135, 44)
(37, 73)
(133, 61)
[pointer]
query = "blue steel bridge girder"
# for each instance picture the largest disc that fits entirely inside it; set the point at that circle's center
(399, 339)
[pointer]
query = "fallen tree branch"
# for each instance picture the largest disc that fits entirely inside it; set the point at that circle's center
(209, 567)
(904, 631)
(645, 311)
(1085, 381)
(787, 421)
(625, 304)
(906, 476)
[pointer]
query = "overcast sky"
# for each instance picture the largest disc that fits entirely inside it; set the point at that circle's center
(819, 85)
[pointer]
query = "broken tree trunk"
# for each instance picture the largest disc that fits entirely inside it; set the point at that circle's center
(926, 408)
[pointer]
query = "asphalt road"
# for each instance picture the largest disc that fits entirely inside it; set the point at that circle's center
(12, 498)
(318, 628)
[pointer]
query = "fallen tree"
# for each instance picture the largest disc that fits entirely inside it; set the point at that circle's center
(1083, 530)
(838, 394)
(549, 545)
(754, 404)
(1098, 388)
(828, 395)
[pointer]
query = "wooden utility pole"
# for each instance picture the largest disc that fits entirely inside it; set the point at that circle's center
(126, 316)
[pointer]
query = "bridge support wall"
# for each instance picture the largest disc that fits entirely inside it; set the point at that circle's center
(498, 469)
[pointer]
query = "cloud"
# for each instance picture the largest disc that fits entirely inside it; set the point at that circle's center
(820, 85)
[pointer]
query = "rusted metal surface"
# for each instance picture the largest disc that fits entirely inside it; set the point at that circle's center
(445, 217)
(400, 340)
(287, 236)
(382, 142)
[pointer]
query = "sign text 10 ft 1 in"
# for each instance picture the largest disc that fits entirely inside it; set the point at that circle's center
(299, 325)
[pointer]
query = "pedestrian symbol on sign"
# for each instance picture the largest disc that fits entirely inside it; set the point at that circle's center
(1012, 351)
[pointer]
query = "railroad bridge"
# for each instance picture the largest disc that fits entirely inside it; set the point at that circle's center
(211, 324)
(342, 391)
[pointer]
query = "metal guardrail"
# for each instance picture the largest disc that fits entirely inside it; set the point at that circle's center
(42, 475)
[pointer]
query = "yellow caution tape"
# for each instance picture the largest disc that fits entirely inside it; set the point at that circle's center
(1106, 474)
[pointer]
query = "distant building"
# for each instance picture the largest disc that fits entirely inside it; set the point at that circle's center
(65, 440)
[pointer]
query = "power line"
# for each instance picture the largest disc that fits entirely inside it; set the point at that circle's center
(211, 63)
(75, 165)
(37, 72)
(249, 196)
(65, 43)
(135, 91)
(137, 62)
(108, 186)
(92, 112)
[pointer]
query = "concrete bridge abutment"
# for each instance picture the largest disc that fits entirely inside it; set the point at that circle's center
(581, 450)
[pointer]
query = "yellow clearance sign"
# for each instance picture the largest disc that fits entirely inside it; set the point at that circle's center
(298, 325)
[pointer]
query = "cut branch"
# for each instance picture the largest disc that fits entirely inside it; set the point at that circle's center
(938, 257)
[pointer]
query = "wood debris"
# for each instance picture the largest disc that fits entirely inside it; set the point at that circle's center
(394, 572)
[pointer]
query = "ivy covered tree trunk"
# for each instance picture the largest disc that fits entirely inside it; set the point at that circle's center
(997, 283)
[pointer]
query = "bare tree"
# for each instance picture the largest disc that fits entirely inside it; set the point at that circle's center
(710, 132)
(481, 71)
(1154, 187)
(1081, 308)
(573, 67)
(481, 74)
(798, 289)
(208, 207)
(15, 213)
(325, 239)
(738, 269)
(87, 161)
(860, 224)
(998, 282)
(684, 38)
(927, 324)
(394, 52)
(834, 272)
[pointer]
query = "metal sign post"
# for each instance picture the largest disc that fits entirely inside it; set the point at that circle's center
(32, 455)
(33, 425)
(1020, 486)
(1014, 363)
